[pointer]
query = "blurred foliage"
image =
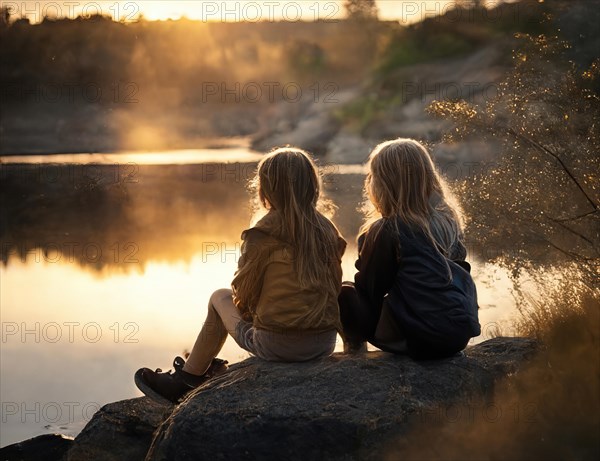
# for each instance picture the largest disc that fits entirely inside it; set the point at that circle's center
(359, 113)
(361, 10)
(546, 187)
(306, 59)
(172, 57)
(166, 84)
(407, 48)
(458, 32)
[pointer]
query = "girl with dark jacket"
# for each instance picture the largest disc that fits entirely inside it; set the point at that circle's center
(413, 292)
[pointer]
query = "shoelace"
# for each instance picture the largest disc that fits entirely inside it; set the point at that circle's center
(179, 362)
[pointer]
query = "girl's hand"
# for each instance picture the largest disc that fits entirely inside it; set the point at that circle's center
(247, 317)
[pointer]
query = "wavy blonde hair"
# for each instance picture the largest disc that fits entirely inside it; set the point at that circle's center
(403, 183)
(288, 182)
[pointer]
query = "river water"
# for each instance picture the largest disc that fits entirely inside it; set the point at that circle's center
(109, 261)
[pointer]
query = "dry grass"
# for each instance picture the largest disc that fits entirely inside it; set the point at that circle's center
(550, 410)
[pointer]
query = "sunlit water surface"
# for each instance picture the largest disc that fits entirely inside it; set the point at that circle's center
(75, 330)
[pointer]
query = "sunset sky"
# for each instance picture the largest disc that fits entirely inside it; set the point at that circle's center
(230, 10)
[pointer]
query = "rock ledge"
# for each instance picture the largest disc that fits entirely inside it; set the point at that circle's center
(340, 408)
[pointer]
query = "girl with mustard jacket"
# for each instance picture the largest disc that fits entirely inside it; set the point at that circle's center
(282, 305)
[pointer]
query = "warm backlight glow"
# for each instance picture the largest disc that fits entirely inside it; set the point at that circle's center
(228, 11)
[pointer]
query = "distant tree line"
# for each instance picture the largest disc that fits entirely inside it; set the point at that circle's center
(167, 57)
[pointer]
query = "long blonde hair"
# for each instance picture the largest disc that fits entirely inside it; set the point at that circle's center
(403, 183)
(289, 183)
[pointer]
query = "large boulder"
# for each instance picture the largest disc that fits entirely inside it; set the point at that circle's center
(341, 408)
(119, 431)
(309, 124)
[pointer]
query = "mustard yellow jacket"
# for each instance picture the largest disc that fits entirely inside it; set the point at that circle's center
(266, 285)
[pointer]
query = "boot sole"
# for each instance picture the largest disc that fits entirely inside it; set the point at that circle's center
(148, 391)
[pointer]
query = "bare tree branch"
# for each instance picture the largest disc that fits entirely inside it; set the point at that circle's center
(564, 226)
(574, 256)
(574, 218)
(547, 151)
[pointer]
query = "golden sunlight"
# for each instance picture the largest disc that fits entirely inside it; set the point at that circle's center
(81, 303)
(227, 11)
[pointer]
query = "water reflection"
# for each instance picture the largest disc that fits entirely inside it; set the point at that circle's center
(123, 216)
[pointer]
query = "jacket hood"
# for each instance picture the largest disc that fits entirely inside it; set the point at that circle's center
(270, 224)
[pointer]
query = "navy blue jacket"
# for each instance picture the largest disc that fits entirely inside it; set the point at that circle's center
(433, 298)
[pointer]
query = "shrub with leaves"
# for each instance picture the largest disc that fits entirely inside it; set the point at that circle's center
(539, 204)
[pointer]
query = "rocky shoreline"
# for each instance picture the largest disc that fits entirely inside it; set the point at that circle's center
(341, 408)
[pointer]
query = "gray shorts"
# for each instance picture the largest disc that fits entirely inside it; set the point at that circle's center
(285, 346)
